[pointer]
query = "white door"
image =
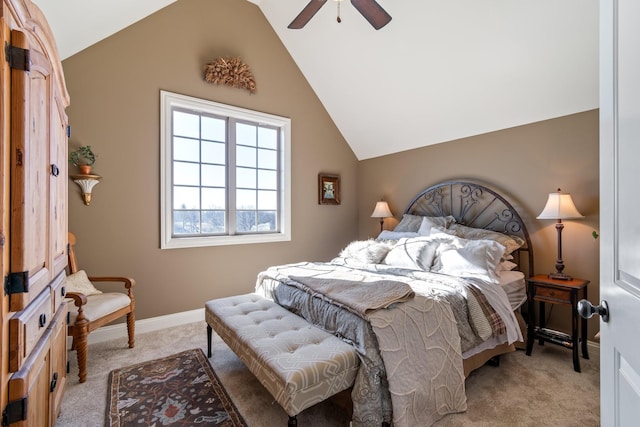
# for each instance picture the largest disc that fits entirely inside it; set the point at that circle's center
(620, 211)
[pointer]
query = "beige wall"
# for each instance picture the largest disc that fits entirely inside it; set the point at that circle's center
(524, 164)
(115, 91)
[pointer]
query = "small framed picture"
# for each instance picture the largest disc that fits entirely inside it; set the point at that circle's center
(328, 189)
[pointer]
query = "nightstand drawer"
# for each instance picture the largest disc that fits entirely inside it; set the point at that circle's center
(552, 294)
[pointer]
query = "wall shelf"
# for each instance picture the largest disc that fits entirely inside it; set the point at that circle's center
(86, 184)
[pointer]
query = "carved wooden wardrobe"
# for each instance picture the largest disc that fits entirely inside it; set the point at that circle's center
(33, 231)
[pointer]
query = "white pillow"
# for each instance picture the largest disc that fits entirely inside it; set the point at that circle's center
(511, 243)
(415, 253)
(434, 221)
(507, 265)
(367, 251)
(470, 258)
(79, 282)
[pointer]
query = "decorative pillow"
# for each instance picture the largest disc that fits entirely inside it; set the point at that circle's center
(409, 223)
(413, 223)
(415, 253)
(366, 251)
(395, 235)
(79, 282)
(469, 258)
(429, 222)
(511, 243)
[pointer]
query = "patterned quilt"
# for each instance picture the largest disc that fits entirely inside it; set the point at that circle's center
(411, 368)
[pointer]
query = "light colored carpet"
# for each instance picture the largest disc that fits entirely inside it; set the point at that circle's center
(541, 390)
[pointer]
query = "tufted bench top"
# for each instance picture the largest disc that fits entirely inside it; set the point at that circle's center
(299, 364)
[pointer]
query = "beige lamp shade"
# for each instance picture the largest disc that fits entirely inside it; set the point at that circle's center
(381, 210)
(560, 206)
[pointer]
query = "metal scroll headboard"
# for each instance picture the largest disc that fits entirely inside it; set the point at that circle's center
(475, 205)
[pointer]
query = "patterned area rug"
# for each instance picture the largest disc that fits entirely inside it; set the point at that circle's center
(179, 390)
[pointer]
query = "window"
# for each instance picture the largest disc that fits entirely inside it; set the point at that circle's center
(224, 174)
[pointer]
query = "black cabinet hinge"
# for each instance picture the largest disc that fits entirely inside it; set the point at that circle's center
(16, 283)
(17, 57)
(15, 411)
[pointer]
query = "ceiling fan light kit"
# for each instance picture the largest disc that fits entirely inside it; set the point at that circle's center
(370, 9)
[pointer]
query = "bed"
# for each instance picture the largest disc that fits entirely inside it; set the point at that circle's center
(424, 304)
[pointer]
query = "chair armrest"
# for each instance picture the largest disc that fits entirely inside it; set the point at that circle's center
(78, 298)
(128, 281)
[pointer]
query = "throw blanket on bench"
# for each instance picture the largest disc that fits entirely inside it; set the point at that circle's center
(410, 352)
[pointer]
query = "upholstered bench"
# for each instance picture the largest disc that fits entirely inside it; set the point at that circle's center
(299, 364)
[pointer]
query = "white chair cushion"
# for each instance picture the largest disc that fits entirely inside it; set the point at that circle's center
(99, 306)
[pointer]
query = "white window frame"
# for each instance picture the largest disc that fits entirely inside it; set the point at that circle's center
(168, 101)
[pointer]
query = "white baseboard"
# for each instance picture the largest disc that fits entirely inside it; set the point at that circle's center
(110, 332)
(594, 351)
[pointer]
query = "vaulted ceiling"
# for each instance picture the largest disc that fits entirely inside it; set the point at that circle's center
(439, 71)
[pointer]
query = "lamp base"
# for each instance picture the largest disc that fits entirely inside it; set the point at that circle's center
(560, 276)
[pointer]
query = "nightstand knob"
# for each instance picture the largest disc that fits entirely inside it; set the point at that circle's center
(586, 309)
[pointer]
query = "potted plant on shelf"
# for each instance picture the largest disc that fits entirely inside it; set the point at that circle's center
(83, 158)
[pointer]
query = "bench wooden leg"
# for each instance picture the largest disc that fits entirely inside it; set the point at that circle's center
(293, 421)
(209, 331)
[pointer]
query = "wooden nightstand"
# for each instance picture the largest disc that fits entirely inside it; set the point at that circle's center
(545, 290)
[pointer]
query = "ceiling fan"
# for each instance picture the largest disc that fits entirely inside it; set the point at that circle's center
(370, 9)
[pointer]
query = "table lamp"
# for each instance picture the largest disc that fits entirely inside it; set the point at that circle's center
(381, 211)
(560, 206)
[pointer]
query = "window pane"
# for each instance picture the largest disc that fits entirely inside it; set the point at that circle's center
(267, 200)
(185, 124)
(245, 221)
(186, 173)
(267, 159)
(267, 138)
(245, 199)
(267, 221)
(213, 176)
(214, 152)
(213, 198)
(213, 222)
(246, 134)
(214, 129)
(186, 197)
(186, 222)
(246, 156)
(267, 180)
(186, 149)
(245, 178)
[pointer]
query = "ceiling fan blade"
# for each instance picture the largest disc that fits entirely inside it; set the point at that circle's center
(307, 13)
(373, 12)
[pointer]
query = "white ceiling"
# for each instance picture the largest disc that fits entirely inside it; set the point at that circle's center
(439, 71)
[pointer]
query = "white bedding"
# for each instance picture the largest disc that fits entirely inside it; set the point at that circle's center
(514, 285)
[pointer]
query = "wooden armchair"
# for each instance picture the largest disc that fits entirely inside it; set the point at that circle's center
(94, 311)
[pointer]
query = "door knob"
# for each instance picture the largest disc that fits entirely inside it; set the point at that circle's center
(586, 309)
